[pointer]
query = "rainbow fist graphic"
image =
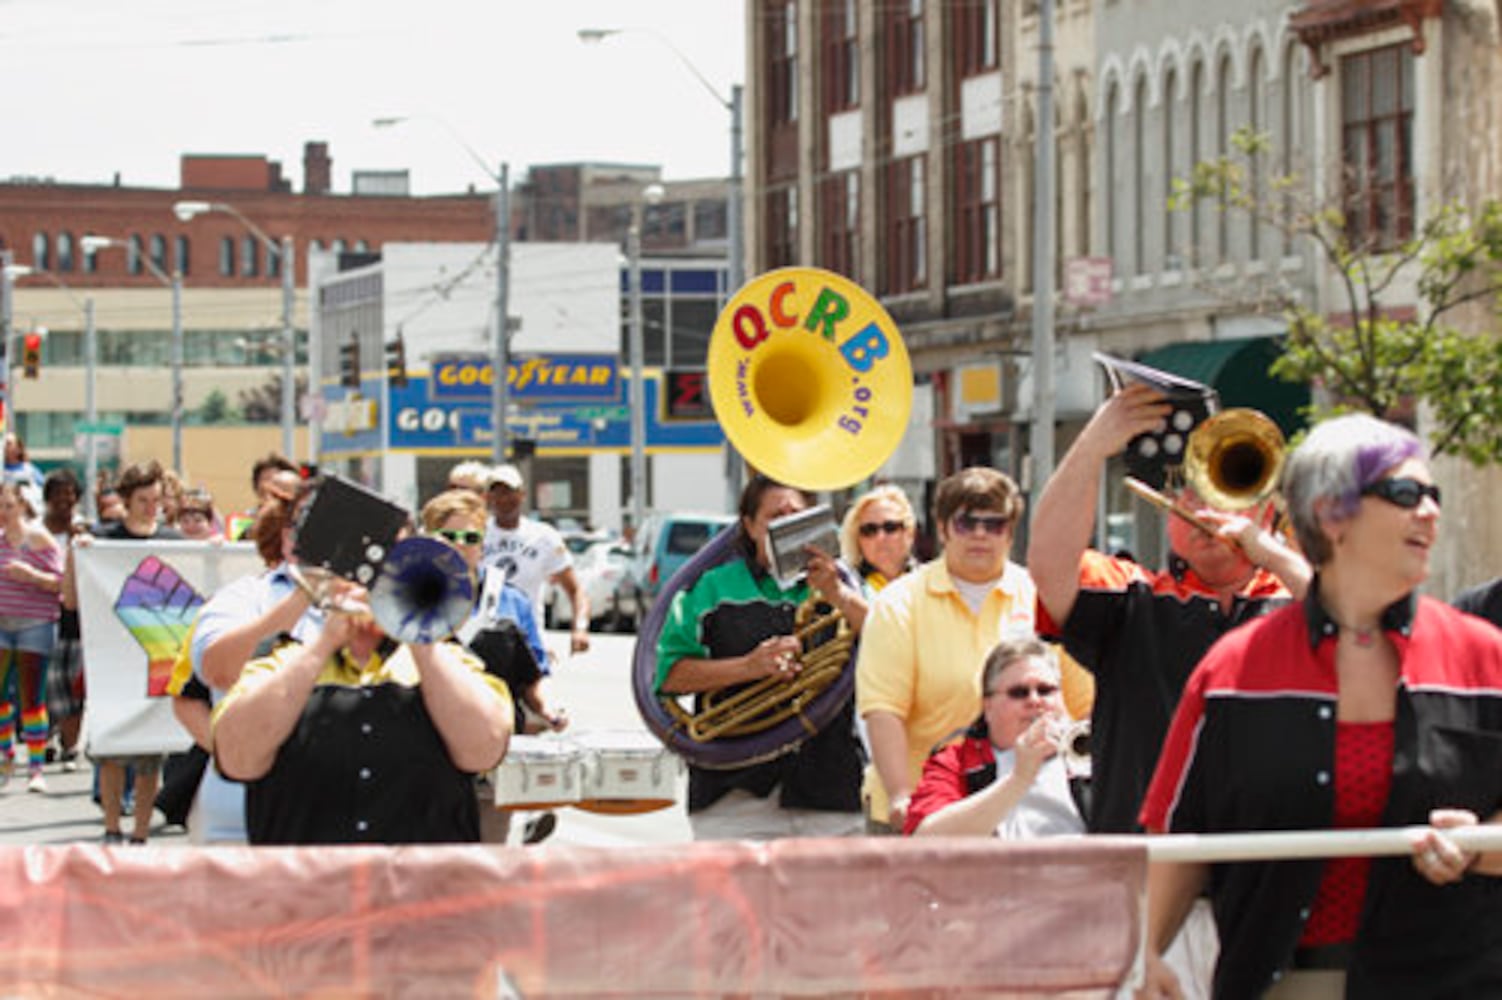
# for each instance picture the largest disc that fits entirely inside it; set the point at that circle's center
(157, 607)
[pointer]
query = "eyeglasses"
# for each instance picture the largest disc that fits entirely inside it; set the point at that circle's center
(968, 524)
(880, 527)
(1021, 692)
(462, 537)
(1402, 492)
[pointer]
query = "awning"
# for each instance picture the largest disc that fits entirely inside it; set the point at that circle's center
(1238, 370)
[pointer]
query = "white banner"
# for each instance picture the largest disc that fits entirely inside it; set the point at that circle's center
(136, 602)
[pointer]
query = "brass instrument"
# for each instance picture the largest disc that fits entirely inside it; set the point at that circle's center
(1074, 748)
(1234, 459)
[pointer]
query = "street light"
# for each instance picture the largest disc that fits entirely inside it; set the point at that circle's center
(734, 223)
(185, 212)
(92, 244)
(651, 195)
(8, 274)
(500, 344)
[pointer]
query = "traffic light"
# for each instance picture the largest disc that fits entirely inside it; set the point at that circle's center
(31, 355)
(349, 364)
(396, 362)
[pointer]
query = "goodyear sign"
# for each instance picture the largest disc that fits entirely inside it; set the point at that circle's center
(537, 378)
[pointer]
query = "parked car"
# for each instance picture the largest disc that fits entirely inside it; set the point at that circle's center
(599, 570)
(665, 542)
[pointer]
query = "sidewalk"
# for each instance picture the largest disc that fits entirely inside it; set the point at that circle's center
(65, 813)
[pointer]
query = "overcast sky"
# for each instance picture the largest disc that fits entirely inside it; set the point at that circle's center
(96, 87)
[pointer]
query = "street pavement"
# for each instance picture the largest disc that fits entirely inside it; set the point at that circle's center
(595, 688)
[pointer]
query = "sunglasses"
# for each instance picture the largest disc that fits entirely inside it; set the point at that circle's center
(1403, 492)
(1020, 692)
(969, 524)
(880, 527)
(462, 537)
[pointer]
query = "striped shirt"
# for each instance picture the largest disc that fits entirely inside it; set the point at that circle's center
(27, 600)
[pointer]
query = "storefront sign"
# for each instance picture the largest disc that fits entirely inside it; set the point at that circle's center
(542, 378)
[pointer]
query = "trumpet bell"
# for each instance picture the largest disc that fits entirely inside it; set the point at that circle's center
(809, 378)
(424, 593)
(1234, 459)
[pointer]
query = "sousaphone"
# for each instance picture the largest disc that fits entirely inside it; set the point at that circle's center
(812, 385)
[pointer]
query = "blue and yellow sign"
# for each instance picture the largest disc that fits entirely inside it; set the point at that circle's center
(540, 378)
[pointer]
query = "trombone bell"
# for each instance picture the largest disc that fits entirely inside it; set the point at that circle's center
(1234, 458)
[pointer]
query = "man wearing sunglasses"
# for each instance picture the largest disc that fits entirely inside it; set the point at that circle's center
(918, 673)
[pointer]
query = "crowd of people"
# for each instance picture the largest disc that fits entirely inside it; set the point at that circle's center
(1259, 681)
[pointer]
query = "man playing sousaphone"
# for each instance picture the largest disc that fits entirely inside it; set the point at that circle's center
(734, 625)
(1142, 632)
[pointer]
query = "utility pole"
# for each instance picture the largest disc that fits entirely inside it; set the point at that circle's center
(1041, 430)
(501, 352)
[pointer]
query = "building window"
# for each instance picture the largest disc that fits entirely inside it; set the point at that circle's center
(782, 226)
(159, 252)
(249, 257)
(1289, 125)
(65, 258)
(977, 212)
(1083, 179)
(839, 212)
(1139, 175)
(904, 34)
(41, 252)
(1170, 110)
(782, 43)
(1196, 151)
(974, 37)
(227, 256)
(133, 254)
(907, 258)
(274, 262)
(180, 254)
(90, 260)
(710, 220)
(842, 65)
(1254, 123)
(1376, 119)
(1223, 149)
(1113, 97)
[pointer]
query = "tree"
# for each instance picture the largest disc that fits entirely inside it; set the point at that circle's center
(1374, 349)
(215, 409)
(263, 404)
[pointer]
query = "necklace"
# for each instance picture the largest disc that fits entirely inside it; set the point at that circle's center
(1365, 637)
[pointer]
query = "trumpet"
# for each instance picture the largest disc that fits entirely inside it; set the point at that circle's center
(1073, 742)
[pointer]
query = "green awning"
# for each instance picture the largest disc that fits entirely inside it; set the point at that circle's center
(1237, 369)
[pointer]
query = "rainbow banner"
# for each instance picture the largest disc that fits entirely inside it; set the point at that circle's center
(137, 601)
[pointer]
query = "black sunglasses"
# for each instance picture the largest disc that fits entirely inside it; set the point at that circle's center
(878, 527)
(967, 523)
(1403, 492)
(462, 537)
(1020, 692)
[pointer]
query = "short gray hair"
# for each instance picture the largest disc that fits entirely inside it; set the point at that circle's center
(1328, 470)
(1015, 649)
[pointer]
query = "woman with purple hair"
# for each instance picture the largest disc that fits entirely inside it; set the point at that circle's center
(1364, 705)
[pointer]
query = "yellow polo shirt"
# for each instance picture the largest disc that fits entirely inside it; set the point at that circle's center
(921, 654)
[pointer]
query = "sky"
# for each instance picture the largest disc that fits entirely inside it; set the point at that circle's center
(99, 87)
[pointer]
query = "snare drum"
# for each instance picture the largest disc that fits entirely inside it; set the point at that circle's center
(540, 772)
(628, 771)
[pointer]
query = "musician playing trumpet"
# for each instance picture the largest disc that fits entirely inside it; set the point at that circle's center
(734, 626)
(1007, 777)
(356, 738)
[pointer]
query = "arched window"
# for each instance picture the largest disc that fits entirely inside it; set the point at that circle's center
(249, 261)
(274, 262)
(1139, 175)
(227, 256)
(1170, 112)
(1109, 175)
(1254, 122)
(338, 246)
(90, 260)
(1223, 148)
(1290, 132)
(133, 255)
(159, 251)
(65, 251)
(180, 255)
(362, 246)
(41, 252)
(1083, 178)
(1196, 152)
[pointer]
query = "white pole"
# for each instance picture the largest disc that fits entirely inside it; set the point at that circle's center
(638, 391)
(177, 372)
(289, 347)
(1040, 438)
(501, 354)
(90, 406)
(1293, 844)
(736, 236)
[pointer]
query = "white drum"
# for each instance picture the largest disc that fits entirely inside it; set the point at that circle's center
(540, 772)
(628, 771)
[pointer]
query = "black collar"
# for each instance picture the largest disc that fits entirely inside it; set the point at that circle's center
(1396, 617)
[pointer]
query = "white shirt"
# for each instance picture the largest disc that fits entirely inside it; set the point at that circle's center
(1046, 809)
(527, 556)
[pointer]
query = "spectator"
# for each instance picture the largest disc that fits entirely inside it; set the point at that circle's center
(876, 536)
(65, 691)
(31, 575)
(19, 469)
(530, 554)
(195, 516)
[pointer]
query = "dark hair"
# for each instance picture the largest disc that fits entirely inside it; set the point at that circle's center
(271, 460)
(757, 487)
(275, 515)
(977, 488)
(59, 479)
(138, 476)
